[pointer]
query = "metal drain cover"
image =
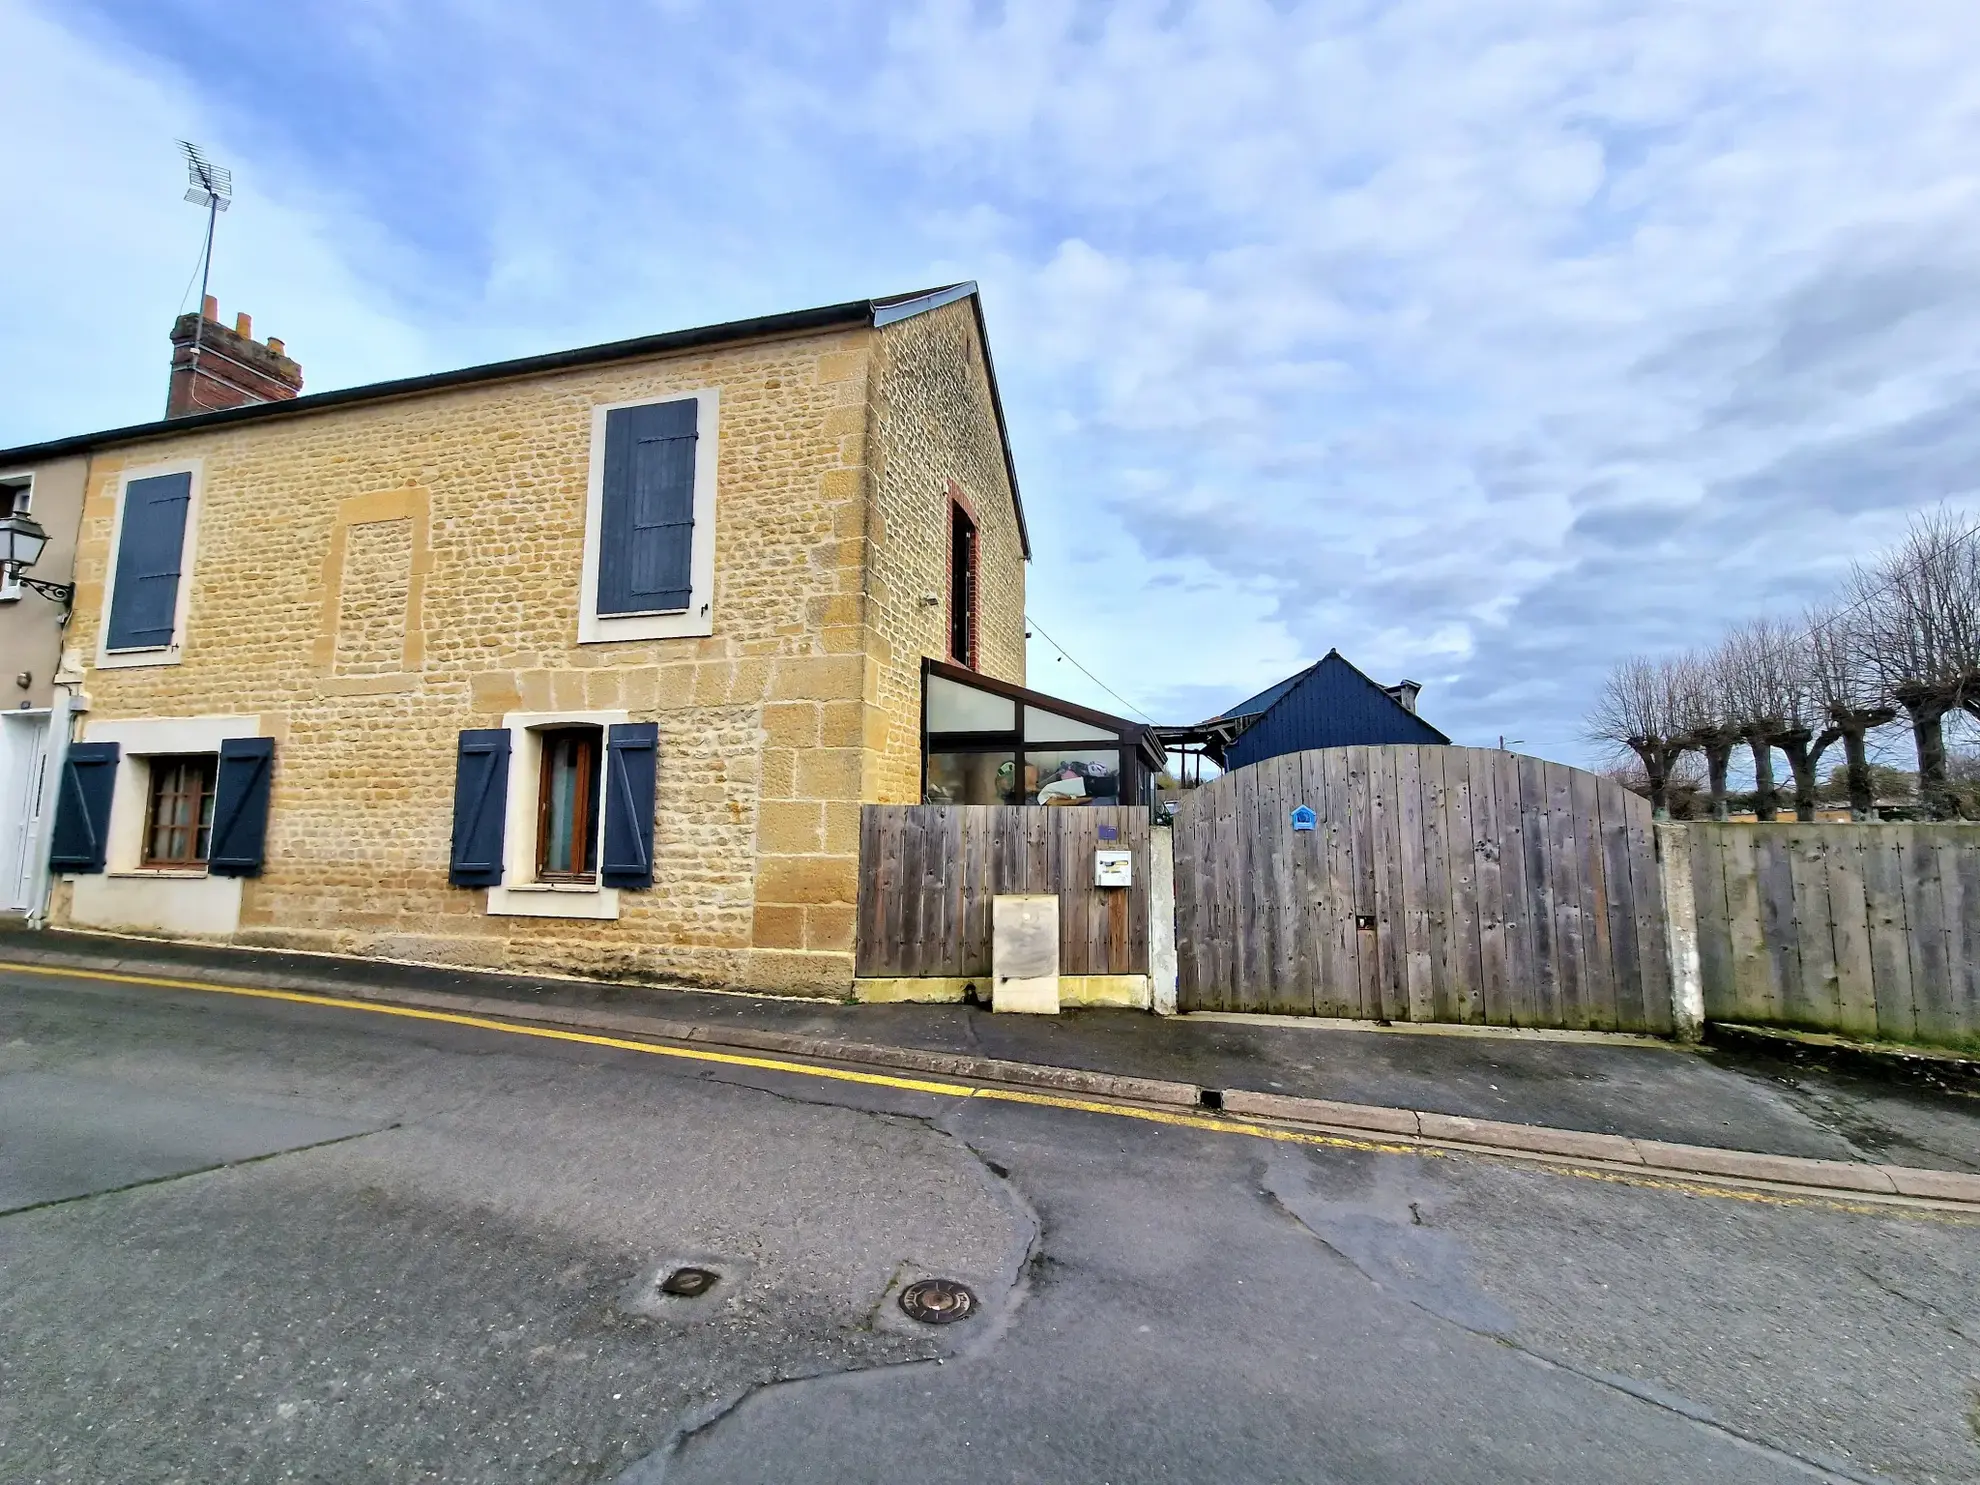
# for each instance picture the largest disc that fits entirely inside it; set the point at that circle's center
(688, 1282)
(937, 1301)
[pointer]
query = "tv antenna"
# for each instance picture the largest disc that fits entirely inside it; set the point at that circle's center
(213, 188)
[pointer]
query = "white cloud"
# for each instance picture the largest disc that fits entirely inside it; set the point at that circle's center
(101, 247)
(1485, 339)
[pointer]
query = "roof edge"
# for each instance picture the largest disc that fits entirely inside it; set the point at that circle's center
(791, 322)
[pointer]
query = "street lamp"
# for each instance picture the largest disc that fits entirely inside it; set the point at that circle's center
(21, 544)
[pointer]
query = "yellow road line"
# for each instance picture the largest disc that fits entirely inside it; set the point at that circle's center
(1226, 1124)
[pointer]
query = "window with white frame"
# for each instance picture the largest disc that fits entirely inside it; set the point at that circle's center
(649, 531)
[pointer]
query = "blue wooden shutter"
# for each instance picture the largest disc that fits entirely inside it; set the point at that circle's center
(150, 546)
(631, 756)
(646, 525)
(240, 806)
(481, 804)
(82, 807)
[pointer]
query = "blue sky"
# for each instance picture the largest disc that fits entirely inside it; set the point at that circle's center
(1486, 340)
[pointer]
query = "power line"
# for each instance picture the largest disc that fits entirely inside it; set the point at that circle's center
(1875, 593)
(1065, 654)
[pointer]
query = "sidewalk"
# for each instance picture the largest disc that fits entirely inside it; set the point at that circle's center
(1722, 1098)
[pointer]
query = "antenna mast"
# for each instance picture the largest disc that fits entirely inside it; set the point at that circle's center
(213, 188)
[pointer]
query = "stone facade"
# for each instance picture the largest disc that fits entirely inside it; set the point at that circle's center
(371, 579)
(935, 440)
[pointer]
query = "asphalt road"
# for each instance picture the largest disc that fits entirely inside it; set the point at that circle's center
(252, 1240)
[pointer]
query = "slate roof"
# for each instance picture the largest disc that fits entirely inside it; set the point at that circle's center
(874, 312)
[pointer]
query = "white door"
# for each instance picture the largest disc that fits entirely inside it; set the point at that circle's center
(23, 755)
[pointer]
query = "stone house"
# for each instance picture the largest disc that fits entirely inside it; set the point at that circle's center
(578, 663)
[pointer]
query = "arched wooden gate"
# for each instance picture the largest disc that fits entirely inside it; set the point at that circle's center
(1427, 884)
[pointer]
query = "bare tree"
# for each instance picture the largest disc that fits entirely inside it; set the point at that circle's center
(1920, 611)
(1709, 721)
(1642, 707)
(1845, 685)
(1761, 679)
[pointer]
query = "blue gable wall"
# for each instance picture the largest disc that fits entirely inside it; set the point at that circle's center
(1332, 706)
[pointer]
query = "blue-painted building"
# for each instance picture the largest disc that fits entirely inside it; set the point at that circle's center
(1330, 704)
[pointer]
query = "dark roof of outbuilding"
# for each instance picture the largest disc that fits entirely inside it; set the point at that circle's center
(1254, 707)
(874, 312)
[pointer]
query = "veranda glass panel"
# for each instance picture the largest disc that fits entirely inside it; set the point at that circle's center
(1043, 726)
(971, 778)
(1072, 776)
(953, 707)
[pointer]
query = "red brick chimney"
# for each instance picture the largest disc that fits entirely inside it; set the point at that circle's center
(229, 369)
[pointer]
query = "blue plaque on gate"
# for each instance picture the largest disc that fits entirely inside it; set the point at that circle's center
(1304, 818)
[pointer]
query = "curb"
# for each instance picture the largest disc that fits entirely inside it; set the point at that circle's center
(1449, 1131)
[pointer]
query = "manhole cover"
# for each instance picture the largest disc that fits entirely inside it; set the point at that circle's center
(937, 1301)
(688, 1282)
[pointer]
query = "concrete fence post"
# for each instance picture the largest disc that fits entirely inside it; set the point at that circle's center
(1162, 919)
(1681, 931)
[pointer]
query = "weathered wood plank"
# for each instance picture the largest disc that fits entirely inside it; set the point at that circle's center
(1414, 883)
(1625, 960)
(1925, 906)
(1815, 993)
(1435, 805)
(1390, 908)
(1715, 949)
(1563, 861)
(1890, 931)
(1366, 870)
(1535, 808)
(1492, 987)
(1467, 971)
(1319, 949)
(1598, 963)
(1523, 1005)
(1350, 977)
(1647, 907)
(1776, 880)
(1752, 983)
(1959, 862)
(1849, 923)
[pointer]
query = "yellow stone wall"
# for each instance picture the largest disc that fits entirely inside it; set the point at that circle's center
(372, 579)
(934, 425)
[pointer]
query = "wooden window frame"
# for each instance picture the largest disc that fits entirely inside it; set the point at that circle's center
(967, 606)
(584, 822)
(160, 766)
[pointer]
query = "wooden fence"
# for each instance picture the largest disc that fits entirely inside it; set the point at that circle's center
(928, 872)
(1869, 930)
(1437, 884)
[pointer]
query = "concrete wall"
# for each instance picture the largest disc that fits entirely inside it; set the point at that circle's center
(31, 626)
(370, 580)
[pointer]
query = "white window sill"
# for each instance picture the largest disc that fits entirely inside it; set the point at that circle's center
(170, 873)
(554, 900)
(596, 629)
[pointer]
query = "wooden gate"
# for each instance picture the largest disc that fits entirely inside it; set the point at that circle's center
(1435, 884)
(928, 872)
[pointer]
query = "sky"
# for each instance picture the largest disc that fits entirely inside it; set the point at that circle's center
(1487, 341)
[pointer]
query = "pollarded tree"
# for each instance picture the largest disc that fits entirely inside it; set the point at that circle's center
(1710, 724)
(1846, 687)
(1920, 610)
(1641, 707)
(1762, 678)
